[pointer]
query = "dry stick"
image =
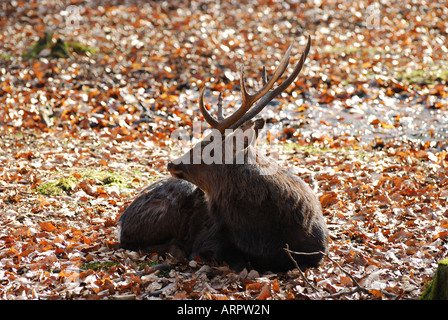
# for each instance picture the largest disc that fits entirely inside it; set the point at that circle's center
(297, 266)
(358, 286)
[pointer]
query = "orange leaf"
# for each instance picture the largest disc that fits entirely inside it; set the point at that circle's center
(400, 235)
(386, 125)
(442, 235)
(13, 251)
(47, 226)
(108, 285)
(376, 293)
(86, 240)
(180, 296)
(265, 292)
(328, 199)
(275, 286)
(86, 273)
(38, 70)
(100, 190)
(84, 185)
(253, 286)
(77, 175)
(346, 281)
(72, 275)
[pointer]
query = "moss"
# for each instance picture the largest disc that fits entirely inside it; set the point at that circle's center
(42, 44)
(424, 76)
(6, 56)
(352, 49)
(143, 265)
(58, 48)
(107, 177)
(56, 188)
(308, 149)
(99, 265)
(67, 184)
(417, 76)
(437, 289)
(79, 48)
(99, 176)
(49, 188)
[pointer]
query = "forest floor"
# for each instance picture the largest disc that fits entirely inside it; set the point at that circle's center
(365, 124)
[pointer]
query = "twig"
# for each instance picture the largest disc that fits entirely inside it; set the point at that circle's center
(347, 273)
(300, 270)
(358, 286)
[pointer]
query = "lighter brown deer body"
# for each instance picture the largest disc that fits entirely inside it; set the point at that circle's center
(247, 209)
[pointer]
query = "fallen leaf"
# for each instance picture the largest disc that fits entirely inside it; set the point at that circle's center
(47, 226)
(265, 292)
(376, 293)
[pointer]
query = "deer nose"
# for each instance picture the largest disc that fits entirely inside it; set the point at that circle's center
(173, 168)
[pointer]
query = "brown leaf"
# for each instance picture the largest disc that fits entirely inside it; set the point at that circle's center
(328, 199)
(37, 69)
(275, 285)
(346, 281)
(255, 286)
(376, 293)
(400, 235)
(265, 292)
(47, 226)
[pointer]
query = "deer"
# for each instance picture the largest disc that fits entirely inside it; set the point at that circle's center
(242, 208)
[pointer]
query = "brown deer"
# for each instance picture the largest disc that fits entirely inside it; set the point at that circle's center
(240, 208)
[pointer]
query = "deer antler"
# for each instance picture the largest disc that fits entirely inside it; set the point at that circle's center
(265, 94)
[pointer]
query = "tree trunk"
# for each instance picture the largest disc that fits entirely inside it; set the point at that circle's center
(438, 288)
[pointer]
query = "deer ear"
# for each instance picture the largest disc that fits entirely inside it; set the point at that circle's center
(239, 140)
(259, 124)
(251, 132)
(250, 137)
(255, 125)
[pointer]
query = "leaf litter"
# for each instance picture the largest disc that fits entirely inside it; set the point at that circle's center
(365, 124)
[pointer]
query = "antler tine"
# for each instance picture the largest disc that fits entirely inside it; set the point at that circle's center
(211, 121)
(251, 98)
(244, 112)
(264, 77)
(220, 116)
(271, 95)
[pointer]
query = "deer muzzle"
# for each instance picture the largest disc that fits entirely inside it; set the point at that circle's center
(174, 170)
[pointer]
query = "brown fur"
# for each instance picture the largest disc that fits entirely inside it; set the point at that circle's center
(243, 214)
(165, 217)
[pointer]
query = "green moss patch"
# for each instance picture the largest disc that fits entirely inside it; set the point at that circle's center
(97, 176)
(57, 48)
(437, 289)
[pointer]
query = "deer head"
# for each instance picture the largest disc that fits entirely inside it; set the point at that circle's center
(232, 138)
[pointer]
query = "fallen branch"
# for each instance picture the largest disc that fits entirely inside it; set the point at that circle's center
(300, 270)
(337, 294)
